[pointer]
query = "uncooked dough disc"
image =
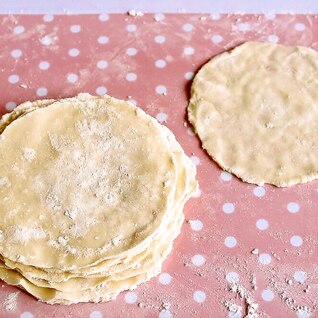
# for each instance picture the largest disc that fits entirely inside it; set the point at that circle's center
(255, 110)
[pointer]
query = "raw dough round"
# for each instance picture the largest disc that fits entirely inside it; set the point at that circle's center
(255, 110)
(91, 204)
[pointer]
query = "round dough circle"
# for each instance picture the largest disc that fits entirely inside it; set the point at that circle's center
(255, 110)
(82, 181)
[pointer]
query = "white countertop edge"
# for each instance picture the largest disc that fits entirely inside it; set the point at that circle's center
(163, 6)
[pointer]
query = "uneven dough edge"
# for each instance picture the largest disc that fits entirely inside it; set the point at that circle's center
(196, 99)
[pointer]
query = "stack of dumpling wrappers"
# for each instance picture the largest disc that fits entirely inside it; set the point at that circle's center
(92, 191)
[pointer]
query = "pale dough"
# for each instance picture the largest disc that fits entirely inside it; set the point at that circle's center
(106, 221)
(255, 109)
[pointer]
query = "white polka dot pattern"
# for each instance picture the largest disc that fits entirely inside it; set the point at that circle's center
(165, 278)
(131, 77)
(46, 40)
(101, 90)
(199, 296)
(232, 277)
(273, 38)
(165, 314)
(198, 260)
(196, 225)
(26, 314)
(188, 75)
(195, 160)
(72, 77)
(296, 240)
(159, 16)
(244, 27)
(225, 176)
(103, 39)
(259, 191)
(188, 50)
(230, 241)
(48, 18)
(187, 27)
(131, 51)
(270, 15)
(228, 208)
(160, 39)
(300, 276)
(160, 63)
(103, 17)
(16, 53)
(130, 297)
(161, 89)
(133, 101)
(76, 28)
(41, 91)
(19, 29)
(303, 313)
(13, 79)
(162, 117)
(216, 38)
(44, 65)
(102, 64)
(73, 52)
(236, 314)
(233, 229)
(265, 259)
(293, 207)
(10, 106)
(215, 16)
(131, 27)
(299, 27)
(96, 314)
(262, 224)
(268, 295)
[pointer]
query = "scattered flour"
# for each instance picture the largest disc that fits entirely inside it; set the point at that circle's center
(95, 188)
(234, 309)
(79, 229)
(29, 154)
(249, 303)
(23, 234)
(4, 181)
(72, 212)
(62, 240)
(10, 302)
(302, 311)
(135, 13)
(255, 251)
(71, 249)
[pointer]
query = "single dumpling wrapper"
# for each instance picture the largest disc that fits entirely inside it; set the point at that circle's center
(255, 109)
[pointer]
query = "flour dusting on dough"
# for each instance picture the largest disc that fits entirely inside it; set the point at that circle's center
(4, 181)
(29, 154)
(23, 234)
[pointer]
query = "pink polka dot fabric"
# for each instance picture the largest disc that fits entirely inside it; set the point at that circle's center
(262, 238)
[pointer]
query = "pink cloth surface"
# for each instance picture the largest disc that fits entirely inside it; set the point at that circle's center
(151, 60)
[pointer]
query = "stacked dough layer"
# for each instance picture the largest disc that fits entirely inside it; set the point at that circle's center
(92, 191)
